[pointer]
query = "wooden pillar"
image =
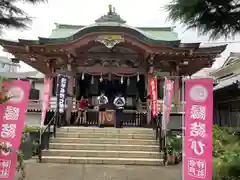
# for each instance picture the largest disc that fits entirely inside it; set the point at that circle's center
(77, 87)
(149, 110)
(176, 88)
(69, 99)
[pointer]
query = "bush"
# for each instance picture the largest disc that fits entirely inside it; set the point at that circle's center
(226, 150)
(30, 141)
(174, 144)
(223, 139)
(31, 129)
(227, 168)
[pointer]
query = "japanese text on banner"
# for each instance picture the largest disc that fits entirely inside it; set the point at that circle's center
(198, 129)
(11, 124)
(62, 92)
(154, 97)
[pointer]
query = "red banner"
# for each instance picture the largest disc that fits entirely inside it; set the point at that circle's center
(13, 114)
(46, 97)
(154, 96)
(198, 129)
(167, 102)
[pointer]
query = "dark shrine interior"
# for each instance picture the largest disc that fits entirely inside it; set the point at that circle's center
(92, 86)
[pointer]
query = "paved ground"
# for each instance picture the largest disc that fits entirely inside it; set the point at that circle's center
(38, 171)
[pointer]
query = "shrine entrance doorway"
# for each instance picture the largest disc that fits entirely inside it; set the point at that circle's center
(112, 87)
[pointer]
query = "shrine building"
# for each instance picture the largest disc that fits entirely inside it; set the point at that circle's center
(111, 56)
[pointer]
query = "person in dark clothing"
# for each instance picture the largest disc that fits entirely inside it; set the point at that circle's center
(119, 103)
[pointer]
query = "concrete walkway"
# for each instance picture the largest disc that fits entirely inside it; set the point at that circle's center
(43, 171)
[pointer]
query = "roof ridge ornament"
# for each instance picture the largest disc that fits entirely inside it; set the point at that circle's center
(111, 16)
(110, 40)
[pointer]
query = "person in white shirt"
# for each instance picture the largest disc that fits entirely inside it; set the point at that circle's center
(102, 101)
(119, 102)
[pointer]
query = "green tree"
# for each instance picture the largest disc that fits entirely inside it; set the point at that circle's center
(215, 17)
(12, 16)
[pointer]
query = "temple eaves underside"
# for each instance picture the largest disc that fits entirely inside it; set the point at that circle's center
(46, 54)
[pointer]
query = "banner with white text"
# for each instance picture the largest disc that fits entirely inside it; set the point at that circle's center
(198, 129)
(154, 96)
(12, 117)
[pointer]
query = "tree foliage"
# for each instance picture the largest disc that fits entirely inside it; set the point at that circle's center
(3, 91)
(12, 16)
(216, 17)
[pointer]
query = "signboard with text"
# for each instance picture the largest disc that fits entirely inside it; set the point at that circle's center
(154, 96)
(198, 129)
(62, 87)
(12, 116)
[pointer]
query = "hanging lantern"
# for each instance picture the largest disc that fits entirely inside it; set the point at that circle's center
(109, 77)
(92, 80)
(83, 76)
(138, 78)
(69, 67)
(121, 79)
(128, 81)
(101, 78)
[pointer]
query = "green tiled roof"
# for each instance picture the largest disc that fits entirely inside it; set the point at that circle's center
(113, 22)
(154, 33)
(64, 30)
(110, 22)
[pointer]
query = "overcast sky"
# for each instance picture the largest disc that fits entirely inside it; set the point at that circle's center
(135, 12)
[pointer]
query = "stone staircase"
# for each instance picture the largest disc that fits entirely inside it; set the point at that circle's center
(85, 145)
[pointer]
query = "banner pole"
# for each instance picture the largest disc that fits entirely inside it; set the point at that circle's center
(165, 125)
(183, 123)
(57, 100)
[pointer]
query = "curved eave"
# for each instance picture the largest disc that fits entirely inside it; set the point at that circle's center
(213, 50)
(190, 45)
(4, 42)
(101, 29)
(181, 46)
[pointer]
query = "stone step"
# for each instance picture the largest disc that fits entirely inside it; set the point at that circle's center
(110, 147)
(105, 141)
(100, 153)
(105, 135)
(101, 160)
(106, 129)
